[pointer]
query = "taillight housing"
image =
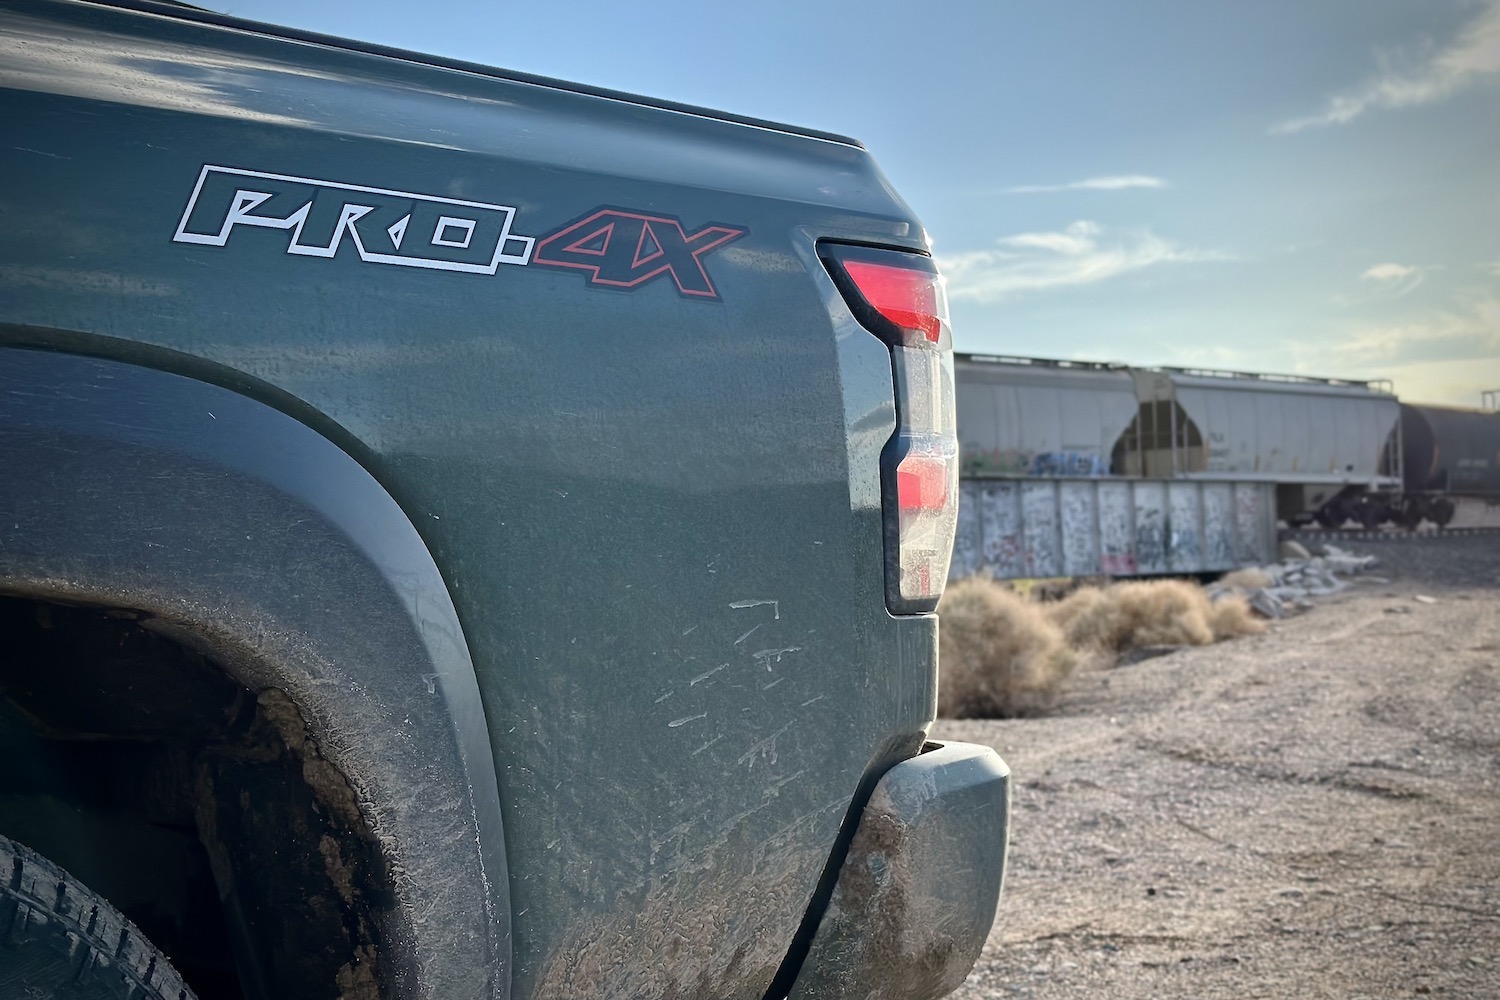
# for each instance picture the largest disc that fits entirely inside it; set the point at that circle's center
(899, 296)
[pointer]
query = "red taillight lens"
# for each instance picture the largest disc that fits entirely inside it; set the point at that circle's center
(912, 300)
(922, 482)
(899, 297)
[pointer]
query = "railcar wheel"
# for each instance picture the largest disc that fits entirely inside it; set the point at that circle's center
(1442, 512)
(1331, 516)
(61, 941)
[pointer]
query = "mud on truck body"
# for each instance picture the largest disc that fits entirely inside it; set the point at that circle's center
(462, 535)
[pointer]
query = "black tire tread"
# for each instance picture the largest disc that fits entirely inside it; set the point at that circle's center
(42, 905)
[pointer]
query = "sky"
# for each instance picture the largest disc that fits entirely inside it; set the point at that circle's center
(1275, 186)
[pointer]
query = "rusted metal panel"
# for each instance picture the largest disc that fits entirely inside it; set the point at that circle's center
(1040, 528)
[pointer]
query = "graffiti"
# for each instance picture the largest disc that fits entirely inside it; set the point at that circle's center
(1183, 538)
(1185, 548)
(1040, 530)
(1080, 539)
(1218, 525)
(1004, 553)
(1151, 539)
(1018, 529)
(1015, 462)
(1250, 514)
(1068, 463)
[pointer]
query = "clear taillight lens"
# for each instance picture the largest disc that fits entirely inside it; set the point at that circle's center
(899, 296)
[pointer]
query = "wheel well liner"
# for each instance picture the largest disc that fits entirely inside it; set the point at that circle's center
(251, 538)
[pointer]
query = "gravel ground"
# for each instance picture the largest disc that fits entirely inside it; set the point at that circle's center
(1313, 812)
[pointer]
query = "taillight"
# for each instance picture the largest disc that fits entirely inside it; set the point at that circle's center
(899, 297)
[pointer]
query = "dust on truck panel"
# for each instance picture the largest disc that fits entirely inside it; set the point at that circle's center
(590, 348)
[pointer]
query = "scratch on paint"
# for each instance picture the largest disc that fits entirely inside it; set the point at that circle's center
(768, 656)
(775, 789)
(690, 629)
(706, 745)
(662, 698)
(40, 152)
(686, 719)
(811, 701)
(706, 676)
(775, 606)
(746, 635)
(657, 843)
(769, 686)
(769, 743)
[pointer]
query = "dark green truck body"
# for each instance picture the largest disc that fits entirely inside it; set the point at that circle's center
(569, 559)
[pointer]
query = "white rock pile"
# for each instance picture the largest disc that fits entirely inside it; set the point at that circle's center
(1277, 590)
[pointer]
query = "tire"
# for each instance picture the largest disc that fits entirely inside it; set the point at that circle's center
(59, 941)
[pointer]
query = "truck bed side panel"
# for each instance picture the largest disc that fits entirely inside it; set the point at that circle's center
(642, 498)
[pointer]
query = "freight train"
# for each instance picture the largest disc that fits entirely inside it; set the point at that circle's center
(1446, 453)
(1286, 448)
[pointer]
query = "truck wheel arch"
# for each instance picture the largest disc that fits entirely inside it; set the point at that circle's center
(251, 538)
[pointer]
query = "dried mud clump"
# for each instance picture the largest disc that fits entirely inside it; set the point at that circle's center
(999, 653)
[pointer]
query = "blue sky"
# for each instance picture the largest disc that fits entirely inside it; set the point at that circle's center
(1267, 186)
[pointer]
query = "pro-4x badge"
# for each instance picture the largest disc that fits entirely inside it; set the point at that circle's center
(383, 226)
(623, 249)
(310, 217)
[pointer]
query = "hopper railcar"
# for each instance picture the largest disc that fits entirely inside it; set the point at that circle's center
(1057, 456)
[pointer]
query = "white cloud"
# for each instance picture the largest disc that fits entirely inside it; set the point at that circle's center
(1117, 183)
(1472, 57)
(1445, 356)
(1078, 255)
(1395, 278)
(1390, 273)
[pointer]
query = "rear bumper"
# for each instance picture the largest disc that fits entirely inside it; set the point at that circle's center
(917, 893)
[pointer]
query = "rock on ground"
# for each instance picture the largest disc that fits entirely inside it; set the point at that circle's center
(1313, 812)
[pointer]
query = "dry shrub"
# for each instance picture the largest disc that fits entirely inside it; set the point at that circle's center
(1131, 615)
(1083, 614)
(1247, 579)
(999, 655)
(1230, 616)
(1004, 655)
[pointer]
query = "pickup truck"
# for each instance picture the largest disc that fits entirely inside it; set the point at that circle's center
(462, 535)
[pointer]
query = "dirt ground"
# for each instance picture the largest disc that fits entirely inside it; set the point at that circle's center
(1313, 812)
